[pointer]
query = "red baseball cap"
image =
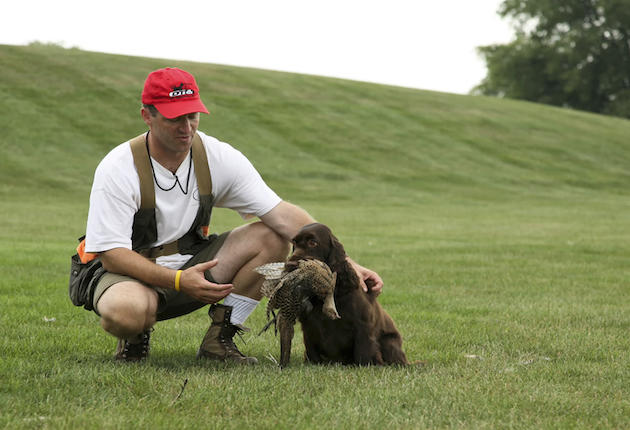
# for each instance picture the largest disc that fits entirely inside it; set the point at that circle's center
(174, 92)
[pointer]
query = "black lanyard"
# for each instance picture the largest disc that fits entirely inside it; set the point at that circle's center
(177, 182)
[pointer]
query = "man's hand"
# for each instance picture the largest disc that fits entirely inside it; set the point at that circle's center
(194, 283)
(192, 280)
(367, 277)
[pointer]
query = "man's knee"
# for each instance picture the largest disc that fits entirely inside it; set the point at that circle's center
(272, 242)
(127, 308)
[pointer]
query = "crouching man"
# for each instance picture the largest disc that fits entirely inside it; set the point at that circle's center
(147, 239)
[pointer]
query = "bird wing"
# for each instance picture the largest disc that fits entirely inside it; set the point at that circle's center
(271, 270)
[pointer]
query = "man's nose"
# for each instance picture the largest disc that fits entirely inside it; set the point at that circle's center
(185, 124)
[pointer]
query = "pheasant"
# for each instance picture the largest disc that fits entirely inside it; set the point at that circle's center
(288, 291)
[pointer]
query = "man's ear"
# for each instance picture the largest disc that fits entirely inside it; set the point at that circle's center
(146, 116)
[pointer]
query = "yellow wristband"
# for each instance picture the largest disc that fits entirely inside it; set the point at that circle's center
(177, 276)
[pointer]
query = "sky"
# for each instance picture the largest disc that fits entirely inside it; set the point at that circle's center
(425, 44)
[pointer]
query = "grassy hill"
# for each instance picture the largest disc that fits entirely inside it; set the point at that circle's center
(501, 229)
(73, 106)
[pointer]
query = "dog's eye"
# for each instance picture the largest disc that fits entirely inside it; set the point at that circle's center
(312, 243)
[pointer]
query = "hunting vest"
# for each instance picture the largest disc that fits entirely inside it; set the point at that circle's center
(144, 230)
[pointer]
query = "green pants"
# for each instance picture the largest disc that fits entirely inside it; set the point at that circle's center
(171, 303)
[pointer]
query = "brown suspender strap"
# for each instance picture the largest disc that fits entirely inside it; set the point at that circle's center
(202, 171)
(143, 166)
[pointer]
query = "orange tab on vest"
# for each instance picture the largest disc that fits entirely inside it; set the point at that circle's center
(85, 257)
(205, 230)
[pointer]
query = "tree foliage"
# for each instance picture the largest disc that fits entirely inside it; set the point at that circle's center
(573, 53)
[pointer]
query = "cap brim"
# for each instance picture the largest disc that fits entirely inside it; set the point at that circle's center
(179, 108)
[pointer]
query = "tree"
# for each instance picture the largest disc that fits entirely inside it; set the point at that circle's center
(573, 53)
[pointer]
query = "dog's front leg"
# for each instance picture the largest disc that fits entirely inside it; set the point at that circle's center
(311, 352)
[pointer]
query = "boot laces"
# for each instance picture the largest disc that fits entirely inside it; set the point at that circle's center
(227, 337)
(136, 351)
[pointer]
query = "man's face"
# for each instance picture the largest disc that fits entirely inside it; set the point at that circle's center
(172, 134)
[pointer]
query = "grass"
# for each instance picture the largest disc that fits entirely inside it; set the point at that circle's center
(501, 229)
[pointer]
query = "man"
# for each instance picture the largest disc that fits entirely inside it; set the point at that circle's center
(158, 258)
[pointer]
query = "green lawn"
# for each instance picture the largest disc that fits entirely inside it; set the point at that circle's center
(501, 230)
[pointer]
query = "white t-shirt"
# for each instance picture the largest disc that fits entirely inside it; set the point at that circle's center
(115, 196)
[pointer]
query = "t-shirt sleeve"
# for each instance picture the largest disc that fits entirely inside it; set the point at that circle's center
(113, 204)
(238, 185)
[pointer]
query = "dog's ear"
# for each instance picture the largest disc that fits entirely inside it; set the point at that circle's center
(337, 254)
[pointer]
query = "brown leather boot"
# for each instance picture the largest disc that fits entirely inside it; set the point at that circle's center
(218, 343)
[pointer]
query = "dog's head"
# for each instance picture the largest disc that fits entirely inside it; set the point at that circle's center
(318, 242)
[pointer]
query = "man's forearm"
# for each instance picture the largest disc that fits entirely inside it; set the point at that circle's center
(127, 262)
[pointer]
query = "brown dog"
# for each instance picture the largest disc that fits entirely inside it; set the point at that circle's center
(365, 334)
